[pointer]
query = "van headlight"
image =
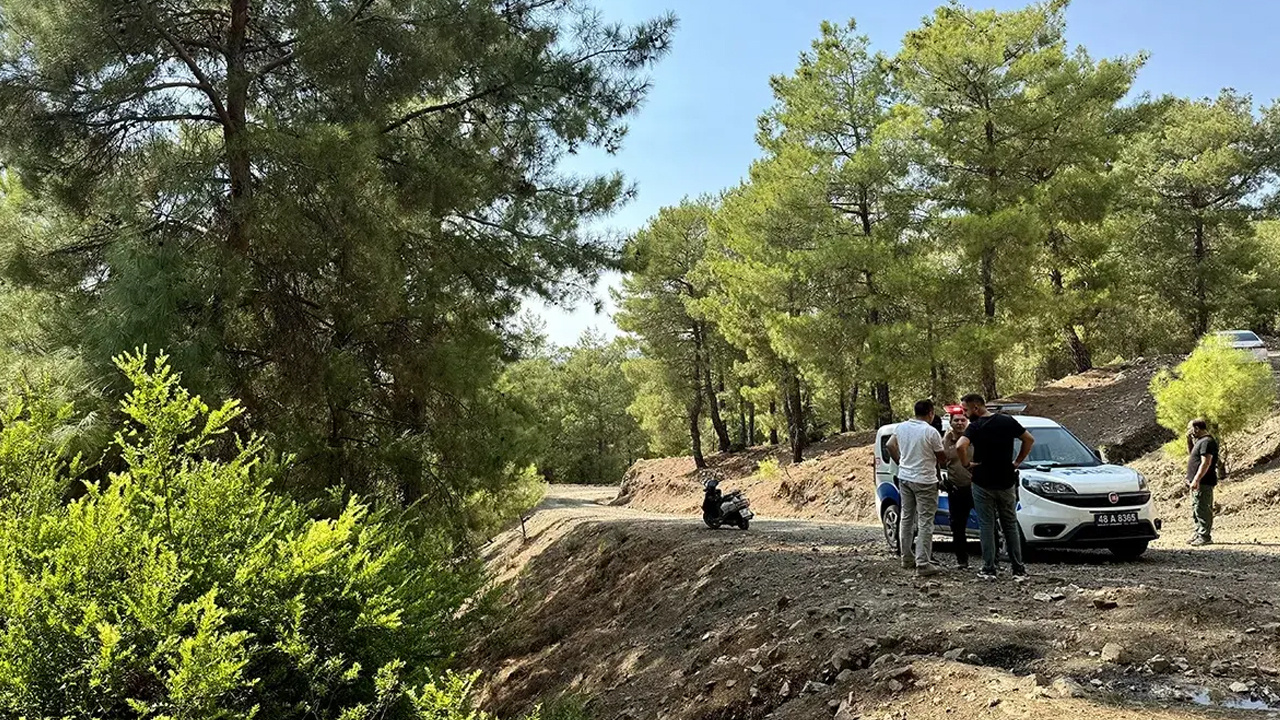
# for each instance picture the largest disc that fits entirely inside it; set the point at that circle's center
(1142, 482)
(1048, 487)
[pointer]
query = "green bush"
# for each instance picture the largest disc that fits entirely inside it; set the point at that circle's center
(182, 587)
(1218, 383)
(769, 469)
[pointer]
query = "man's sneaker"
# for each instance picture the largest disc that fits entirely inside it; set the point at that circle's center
(1199, 540)
(987, 574)
(928, 570)
(908, 564)
(1020, 575)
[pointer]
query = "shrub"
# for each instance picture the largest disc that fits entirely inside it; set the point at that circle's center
(1218, 383)
(769, 469)
(182, 587)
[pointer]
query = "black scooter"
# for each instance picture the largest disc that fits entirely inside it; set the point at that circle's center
(718, 509)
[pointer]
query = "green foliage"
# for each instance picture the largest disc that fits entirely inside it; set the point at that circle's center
(1200, 169)
(573, 409)
(1218, 383)
(328, 210)
(1020, 131)
(492, 512)
(984, 211)
(181, 586)
(769, 469)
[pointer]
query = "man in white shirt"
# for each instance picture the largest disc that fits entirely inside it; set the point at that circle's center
(917, 448)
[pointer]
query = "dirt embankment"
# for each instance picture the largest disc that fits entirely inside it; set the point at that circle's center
(836, 481)
(1109, 407)
(658, 617)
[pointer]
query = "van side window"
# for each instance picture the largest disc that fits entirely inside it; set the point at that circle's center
(884, 449)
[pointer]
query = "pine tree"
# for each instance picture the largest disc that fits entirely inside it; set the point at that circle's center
(834, 107)
(1199, 170)
(658, 304)
(325, 209)
(1006, 109)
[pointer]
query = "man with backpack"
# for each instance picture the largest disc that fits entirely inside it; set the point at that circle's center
(1202, 476)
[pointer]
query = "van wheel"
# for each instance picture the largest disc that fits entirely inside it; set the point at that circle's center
(889, 517)
(1129, 550)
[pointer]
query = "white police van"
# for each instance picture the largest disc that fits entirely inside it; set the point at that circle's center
(1067, 497)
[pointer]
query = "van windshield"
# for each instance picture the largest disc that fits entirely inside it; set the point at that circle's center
(1057, 447)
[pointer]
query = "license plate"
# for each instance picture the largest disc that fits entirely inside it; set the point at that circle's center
(1128, 517)
(747, 514)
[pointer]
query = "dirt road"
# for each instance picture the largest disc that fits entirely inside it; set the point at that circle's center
(653, 616)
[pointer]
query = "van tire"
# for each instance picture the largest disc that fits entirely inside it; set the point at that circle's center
(1129, 549)
(890, 515)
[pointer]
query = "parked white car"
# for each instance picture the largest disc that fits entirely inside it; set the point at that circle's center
(1247, 341)
(1067, 497)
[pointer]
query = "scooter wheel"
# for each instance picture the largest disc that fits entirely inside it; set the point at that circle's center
(744, 523)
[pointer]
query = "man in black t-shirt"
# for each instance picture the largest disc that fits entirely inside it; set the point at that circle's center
(995, 480)
(1202, 476)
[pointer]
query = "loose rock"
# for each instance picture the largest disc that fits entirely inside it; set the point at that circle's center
(903, 673)
(1065, 687)
(1113, 653)
(846, 710)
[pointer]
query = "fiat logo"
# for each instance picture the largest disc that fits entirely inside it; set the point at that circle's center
(1114, 498)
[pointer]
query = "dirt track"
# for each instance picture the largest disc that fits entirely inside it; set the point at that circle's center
(655, 616)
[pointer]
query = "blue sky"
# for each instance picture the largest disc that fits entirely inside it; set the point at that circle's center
(695, 134)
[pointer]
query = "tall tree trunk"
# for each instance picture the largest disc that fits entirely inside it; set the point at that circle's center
(853, 406)
(880, 388)
(946, 388)
(239, 169)
(1200, 252)
(989, 387)
(884, 406)
(695, 406)
(742, 426)
(795, 417)
(933, 362)
(695, 432)
(988, 370)
(773, 422)
(751, 424)
(1081, 358)
(844, 413)
(713, 404)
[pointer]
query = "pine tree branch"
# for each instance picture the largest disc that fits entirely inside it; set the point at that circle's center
(170, 117)
(461, 102)
(202, 80)
(276, 64)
